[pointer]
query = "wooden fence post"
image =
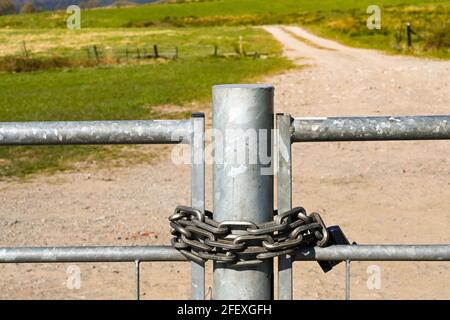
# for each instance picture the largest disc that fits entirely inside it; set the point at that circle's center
(96, 53)
(24, 49)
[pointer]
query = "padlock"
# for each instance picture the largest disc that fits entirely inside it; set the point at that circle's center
(336, 236)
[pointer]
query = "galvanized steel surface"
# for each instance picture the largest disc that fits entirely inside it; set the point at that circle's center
(371, 128)
(434, 252)
(284, 192)
(198, 194)
(95, 132)
(377, 253)
(89, 254)
(241, 192)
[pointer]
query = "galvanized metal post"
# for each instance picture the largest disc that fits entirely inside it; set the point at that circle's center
(347, 280)
(243, 185)
(284, 196)
(137, 270)
(198, 194)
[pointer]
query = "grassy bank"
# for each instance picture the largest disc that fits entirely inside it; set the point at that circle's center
(219, 10)
(430, 24)
(123, 92)
(69, 86)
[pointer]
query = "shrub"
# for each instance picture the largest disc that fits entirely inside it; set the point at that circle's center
(438, 37)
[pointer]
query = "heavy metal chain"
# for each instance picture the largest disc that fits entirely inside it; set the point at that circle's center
(244, 243)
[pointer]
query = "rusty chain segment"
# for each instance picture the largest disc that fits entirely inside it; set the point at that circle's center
(244, 243)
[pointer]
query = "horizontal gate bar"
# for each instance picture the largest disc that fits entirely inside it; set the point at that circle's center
(89, 254)
(95, 132)
(376, 253)
(371, 128)
(167, 253)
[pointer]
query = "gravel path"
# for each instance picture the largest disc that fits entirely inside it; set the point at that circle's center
(379, 192)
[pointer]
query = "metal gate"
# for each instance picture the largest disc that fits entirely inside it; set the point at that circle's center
(240, 192)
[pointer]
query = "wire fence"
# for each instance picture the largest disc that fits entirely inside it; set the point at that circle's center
(26, 60)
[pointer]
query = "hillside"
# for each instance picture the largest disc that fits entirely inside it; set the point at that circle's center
(50, 5)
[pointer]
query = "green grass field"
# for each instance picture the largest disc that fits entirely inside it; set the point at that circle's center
(126, 92)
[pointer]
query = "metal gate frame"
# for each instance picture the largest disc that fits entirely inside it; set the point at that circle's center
(192, 131)
(333, 129)
(189, 131)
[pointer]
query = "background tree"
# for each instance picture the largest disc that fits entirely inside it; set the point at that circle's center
(28, 7)
(7, 7)
(88, 4)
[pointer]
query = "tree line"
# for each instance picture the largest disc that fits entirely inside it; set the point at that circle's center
(30, 6)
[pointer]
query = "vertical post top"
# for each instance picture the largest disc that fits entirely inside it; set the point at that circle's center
(243, 86)
(242, 106)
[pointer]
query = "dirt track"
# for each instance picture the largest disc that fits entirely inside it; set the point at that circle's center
(379, 192)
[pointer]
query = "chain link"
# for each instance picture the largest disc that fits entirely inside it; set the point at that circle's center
(243, 243)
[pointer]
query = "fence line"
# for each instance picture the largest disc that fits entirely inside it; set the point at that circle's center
(95, 132)
(138, 52)
(89, 254)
